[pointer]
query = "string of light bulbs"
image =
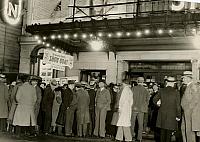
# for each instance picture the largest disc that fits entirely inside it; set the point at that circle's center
(139, 33)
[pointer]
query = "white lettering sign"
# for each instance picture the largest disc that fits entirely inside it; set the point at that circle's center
(12, 11)
(181, 5)
(58, 60)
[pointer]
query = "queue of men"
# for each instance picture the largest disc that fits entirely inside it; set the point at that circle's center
(123, 112)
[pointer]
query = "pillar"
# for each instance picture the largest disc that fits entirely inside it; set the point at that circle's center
(195, 68)
(122, 67)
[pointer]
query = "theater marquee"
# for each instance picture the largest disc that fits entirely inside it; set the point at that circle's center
(11, 11)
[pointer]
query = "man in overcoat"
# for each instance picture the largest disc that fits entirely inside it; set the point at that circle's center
(140, 106)
(4, 97)
(47, 104)
(103, 100)
(125, 111)
(190, 104)
(83, 116)
(169, 113)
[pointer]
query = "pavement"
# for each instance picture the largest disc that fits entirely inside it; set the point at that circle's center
(5, 137)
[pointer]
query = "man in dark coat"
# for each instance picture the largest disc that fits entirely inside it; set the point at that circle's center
(67, 97)
(168, 99)
(92, 94)
(47, 104)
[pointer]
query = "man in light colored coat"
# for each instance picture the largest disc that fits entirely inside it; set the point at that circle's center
(190, 105)
(125, 111)
(140, 106)
(103, 100)
(4, 97)
(25, 112)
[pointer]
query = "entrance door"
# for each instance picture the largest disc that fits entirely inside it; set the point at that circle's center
(88, 75)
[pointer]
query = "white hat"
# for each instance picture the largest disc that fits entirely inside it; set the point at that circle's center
(187, 74)
(171, 79)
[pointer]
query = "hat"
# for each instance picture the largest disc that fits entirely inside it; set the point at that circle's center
(92, 83)
(54, 82)
(171, 79)
(71, 81)
(187, 73)
(140, 79)
(78, 84)
(2, 76)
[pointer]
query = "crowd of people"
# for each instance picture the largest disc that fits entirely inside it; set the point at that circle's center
(123, 111)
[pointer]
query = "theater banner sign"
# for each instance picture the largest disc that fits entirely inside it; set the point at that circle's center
(11, 11)
(58, 60)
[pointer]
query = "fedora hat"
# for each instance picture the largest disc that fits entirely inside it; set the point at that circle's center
(187, 74)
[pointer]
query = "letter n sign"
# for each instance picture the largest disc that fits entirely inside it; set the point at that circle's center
(11, 11)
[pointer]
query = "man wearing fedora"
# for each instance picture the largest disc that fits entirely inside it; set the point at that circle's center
(4, 97)
(169, 113)
(191, 107)
(47, 104)
(140, 106)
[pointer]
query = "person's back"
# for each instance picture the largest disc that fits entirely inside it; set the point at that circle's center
(141, 99)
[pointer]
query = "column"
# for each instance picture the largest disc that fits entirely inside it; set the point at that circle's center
(195, 68)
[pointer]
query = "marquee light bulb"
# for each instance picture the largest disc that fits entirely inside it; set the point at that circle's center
(109, 35)
(66, 36)
(36, 37)
(75, 35)
(53, 37)
(147, 31)
(100, 34)
(138, 34)
(91, 35)
(84, 36)
(119, 34)
(44, 37)
(59, 36)
(171, 31)
(47, 44)
(128, 34)
(39, 41)
(43, 43)
(57, 50)
(53, 47)
(160, 31)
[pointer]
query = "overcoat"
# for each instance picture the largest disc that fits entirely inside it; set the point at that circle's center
(47, 101)
(67, 97)
(83, 102)
(103, 99)
(4, 97)
(38, 101)
(170, 108)
(190, 104)
(26, 99)
(55, 109)
(125, 107)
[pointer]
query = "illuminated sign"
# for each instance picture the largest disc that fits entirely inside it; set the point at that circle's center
(179, 5)
(11, 11)
(197, 1)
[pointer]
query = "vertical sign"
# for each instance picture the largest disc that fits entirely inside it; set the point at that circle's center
(11, 11)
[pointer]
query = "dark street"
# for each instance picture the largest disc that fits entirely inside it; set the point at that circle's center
(4, 137)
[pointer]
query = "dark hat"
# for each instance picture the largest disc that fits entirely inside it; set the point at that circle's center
(171, 79)
(71, 81)
(78, 84)
(54, 82)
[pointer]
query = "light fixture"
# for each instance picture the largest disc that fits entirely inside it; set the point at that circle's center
(109, 35)
(138, 34)
(66, 36)
(91, 35)
(44, 38)
(171, 31)
(53, 36)
(47, 44)
(96, 45)
(84, 36)
(36, 37)
(128, 33)
(39, 41)
(147, 32)
(75, 35)
(100, 34)
(160, 31)
(194, 30)
(59, 36)
(119, 34)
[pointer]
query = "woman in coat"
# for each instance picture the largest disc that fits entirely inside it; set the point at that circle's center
(26, 98)
(83, 116)
(169, 113)
(125, 111)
